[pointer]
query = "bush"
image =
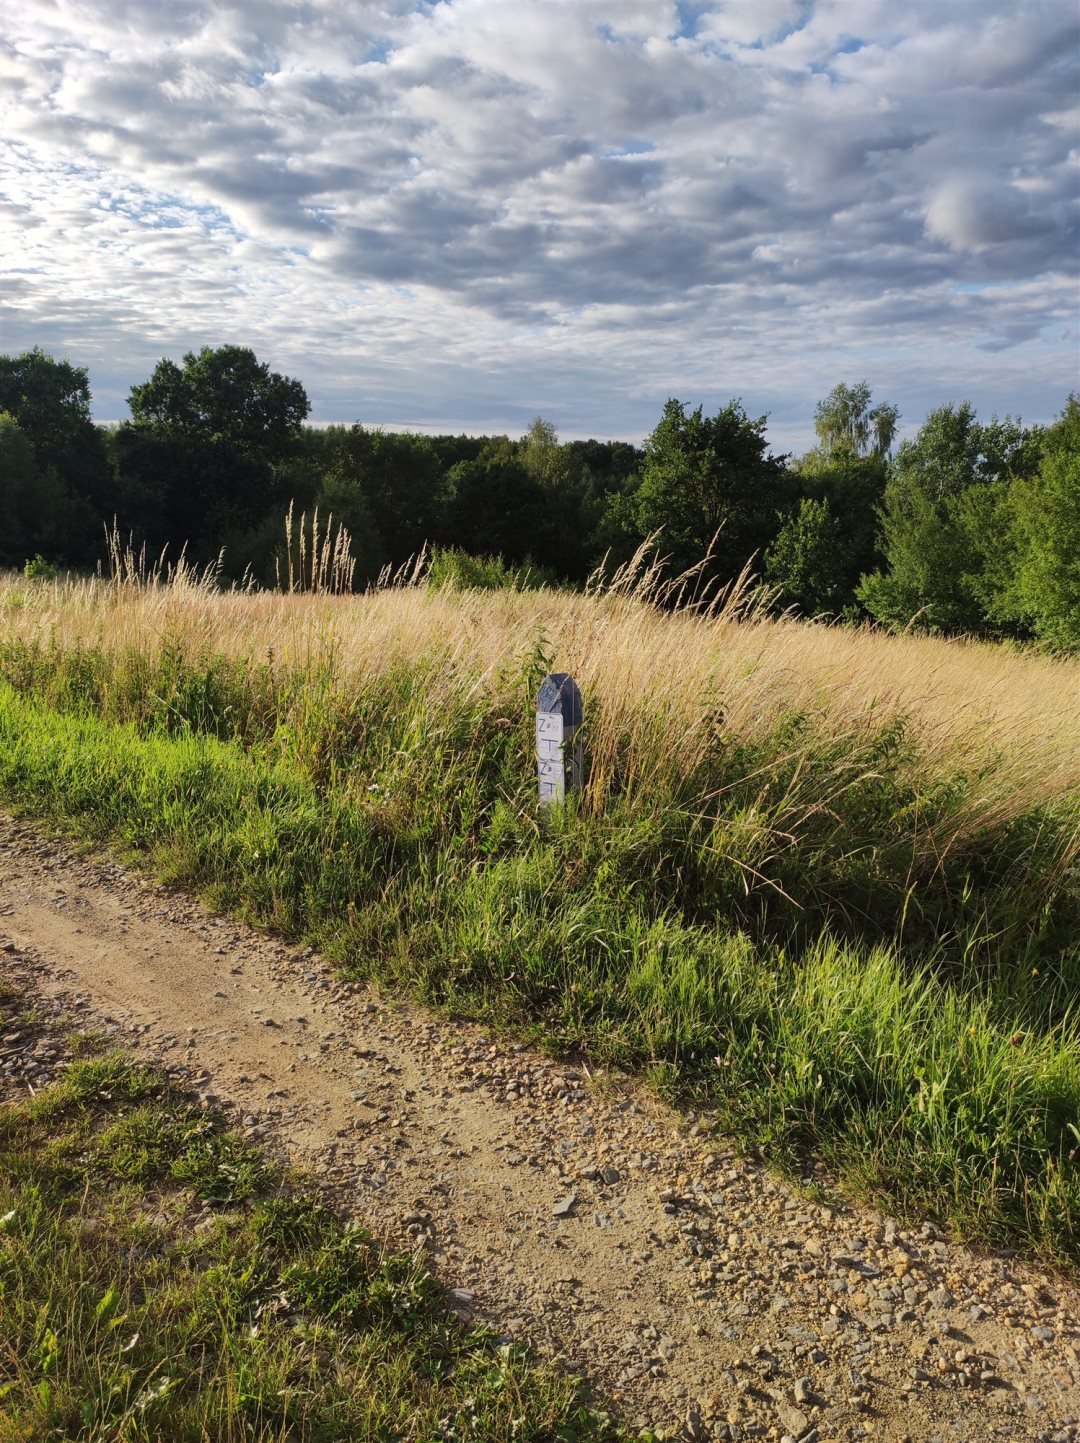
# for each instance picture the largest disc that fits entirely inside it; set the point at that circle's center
(38, 569)
(458, 570)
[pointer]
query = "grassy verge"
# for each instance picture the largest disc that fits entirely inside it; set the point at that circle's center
(957, 1099)
(159, 1281)
(848, 935)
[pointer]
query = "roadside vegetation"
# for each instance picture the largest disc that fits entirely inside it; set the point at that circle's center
(161, 1280)
(820, 880)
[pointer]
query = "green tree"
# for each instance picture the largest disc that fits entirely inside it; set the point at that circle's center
(1044, 590)
(40, 514)
(707, 477)
(825, 547)
(223, 395)
(452, 449)
(497, 507)
(941, 521)
(18, 482)
(612, 465)
(50, 400)
(607, 477)
(341, 497)
(397, 480)
(540, 451)
(571, 502)
(846, 424)
(204, 454)
(805, 561)
(190, 490)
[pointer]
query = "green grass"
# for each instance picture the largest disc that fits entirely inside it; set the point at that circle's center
(160, 1283)
(802, 931)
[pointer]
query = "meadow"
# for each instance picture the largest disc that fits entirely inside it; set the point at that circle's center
(820, 881)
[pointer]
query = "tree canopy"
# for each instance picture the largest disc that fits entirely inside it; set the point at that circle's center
(710, 479)
(846, 424)
(50, 400)
(1044, 587)
(222, 395)
(203, 452)
(944, 529)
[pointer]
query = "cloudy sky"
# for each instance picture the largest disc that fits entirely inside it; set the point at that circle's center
(460, 214)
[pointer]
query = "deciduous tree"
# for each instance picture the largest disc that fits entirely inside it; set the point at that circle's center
(1045, 588)
(50, 400)
(201, 456)
(941, 535)
(712, 476)
(846, 423)
(223, 395)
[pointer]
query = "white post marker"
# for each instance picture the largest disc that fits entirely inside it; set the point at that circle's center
(558, 716)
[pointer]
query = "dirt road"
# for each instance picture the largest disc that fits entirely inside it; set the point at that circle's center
(563, 1208)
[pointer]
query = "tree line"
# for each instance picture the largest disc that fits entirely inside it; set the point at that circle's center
(969, 527)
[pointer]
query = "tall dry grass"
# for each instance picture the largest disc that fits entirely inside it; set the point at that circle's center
(667, 679)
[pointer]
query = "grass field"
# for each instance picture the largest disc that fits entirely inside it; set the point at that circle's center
(821, 880)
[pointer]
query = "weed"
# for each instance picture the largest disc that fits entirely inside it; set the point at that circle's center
(133, 1313)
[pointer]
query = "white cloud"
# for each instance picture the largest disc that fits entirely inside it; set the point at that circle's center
(454, 209)
(748, 21)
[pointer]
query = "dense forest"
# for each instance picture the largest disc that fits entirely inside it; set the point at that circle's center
(969, 527)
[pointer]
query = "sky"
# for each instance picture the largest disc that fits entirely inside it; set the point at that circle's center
(455, 216)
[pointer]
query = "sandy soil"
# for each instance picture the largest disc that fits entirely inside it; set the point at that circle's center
(566, 1209)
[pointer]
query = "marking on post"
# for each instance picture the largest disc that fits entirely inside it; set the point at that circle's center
(558, 717)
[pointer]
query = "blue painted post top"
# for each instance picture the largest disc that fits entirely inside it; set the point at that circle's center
(559, 693)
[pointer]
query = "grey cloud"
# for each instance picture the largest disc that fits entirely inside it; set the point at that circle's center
(606, 180)
(970, 214)
(574, 180)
